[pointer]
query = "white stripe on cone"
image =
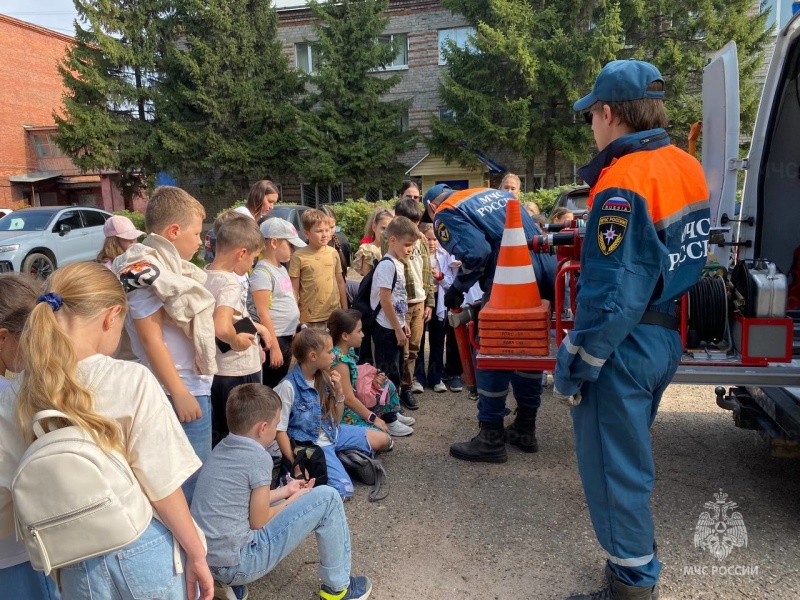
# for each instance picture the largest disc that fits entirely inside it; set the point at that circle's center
(514, 237)
(515, 275)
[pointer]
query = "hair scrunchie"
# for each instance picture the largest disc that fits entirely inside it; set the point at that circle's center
(54, 300)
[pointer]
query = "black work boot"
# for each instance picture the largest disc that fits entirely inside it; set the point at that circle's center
(616, 590)
(522, 432)
(408, 400)
(488, 446)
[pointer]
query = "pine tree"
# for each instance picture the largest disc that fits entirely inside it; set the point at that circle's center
(108, 120)
(353, 133)
(514, 84)
(229, 103)
(679, 38)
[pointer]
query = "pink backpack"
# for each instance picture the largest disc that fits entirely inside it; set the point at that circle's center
(367, 390)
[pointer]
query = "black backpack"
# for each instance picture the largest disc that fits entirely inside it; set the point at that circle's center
(366, 469)
(361, 302)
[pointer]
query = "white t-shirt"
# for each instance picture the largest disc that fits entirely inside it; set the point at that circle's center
(283, 312)
(141, 304)
(155, 445)
(12, 552)
(227, 292)
(285, 390)
(384, 274)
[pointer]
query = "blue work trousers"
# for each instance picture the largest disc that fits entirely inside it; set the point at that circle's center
(493, 389)
(615, 458)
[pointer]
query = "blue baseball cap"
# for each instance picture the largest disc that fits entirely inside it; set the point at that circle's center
(622, 81)
(433, 192)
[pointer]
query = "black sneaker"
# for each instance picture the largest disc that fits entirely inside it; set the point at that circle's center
(456, 384)
(408, 400)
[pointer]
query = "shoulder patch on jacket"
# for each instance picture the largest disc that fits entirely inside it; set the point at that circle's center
(138, 275)
(610, 231)
(617, 204)
(441, 230)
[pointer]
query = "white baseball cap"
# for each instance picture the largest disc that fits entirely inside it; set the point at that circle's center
(279, 229)
(121, 227)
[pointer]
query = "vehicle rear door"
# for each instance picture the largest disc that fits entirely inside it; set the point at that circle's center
(93, 221)
(720, 153)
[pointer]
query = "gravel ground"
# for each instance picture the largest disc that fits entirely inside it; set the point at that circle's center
(521, 530)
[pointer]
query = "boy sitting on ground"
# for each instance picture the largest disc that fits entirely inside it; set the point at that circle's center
(250, 528)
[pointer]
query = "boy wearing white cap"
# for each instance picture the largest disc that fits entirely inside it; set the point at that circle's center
(274, 298)
(120, 234)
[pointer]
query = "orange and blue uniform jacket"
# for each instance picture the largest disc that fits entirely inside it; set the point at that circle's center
(469, 224)
(646, 244)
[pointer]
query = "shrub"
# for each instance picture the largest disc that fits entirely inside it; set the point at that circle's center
(352, 216)
(545, 198)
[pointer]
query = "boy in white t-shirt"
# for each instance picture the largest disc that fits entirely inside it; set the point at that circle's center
(274, 297)
(390, 331)
(239, 243)
(170, 316)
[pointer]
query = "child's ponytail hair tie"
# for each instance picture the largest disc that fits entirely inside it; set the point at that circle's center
(54, 300)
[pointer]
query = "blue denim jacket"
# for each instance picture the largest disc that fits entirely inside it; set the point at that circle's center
(305, 418)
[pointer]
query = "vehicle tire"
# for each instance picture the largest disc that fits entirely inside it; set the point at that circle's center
(38, 265)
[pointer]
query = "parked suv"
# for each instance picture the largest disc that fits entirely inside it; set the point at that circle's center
(39, 240)
(575, 199)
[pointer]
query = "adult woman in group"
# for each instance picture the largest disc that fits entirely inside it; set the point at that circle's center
(260, 200)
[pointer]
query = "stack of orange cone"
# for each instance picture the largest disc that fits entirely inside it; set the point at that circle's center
(515, 321)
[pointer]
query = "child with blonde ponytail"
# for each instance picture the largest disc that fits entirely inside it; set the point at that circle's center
(66, 342)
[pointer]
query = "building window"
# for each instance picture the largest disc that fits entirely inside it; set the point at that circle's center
(446, 114)
(316, 195)
(458, 35)
(45, 146)
(401, 40)
(308, 56)
(402, 121)
(539, 179)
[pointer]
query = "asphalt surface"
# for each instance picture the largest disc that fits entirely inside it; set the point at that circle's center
(521, 530)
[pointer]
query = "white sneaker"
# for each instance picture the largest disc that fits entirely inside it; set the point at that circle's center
(398, 429)
(416, 387)
(405, 419)
(440, 387)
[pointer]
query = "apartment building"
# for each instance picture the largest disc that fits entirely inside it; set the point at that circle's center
(420, 27)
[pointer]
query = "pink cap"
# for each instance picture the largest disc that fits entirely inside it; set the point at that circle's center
(122, 227)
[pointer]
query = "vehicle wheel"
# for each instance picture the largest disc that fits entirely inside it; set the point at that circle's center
(38, 265)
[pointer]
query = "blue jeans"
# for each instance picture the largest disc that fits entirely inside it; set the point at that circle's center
(319, 511)
(143, 569)
(21, 582)
(199, 434)
(350, 437)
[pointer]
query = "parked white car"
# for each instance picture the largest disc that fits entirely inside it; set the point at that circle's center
(39, 240)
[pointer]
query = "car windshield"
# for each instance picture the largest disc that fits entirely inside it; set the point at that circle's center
(26, 220)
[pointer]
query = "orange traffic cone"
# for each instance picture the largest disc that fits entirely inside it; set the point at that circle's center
(515, 320)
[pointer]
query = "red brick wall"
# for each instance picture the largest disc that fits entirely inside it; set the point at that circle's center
(30, 90)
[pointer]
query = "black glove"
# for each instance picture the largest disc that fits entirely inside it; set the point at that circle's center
(453, 298)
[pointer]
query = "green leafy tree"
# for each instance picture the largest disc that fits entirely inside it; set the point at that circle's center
(108, 74)
(514, 84)
(229, 103)
(353, 133)
(679, 38)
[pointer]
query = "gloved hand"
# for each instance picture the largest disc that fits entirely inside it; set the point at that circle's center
(569, 401)
(453, 298)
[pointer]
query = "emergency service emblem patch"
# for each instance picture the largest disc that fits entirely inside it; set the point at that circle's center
(617, 204)
(610, 231)
(441, 231)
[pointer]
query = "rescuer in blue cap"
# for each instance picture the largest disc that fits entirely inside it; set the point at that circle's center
(646, 244)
